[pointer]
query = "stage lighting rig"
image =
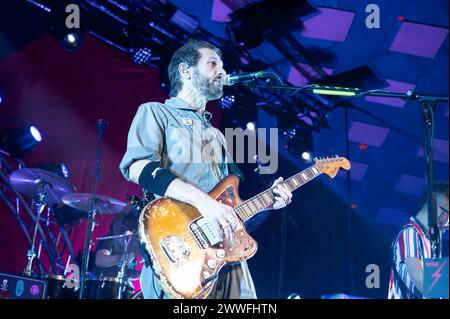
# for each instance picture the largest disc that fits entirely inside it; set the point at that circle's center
(249, 26)
(67, 26)
(60, 169)
(17, 142)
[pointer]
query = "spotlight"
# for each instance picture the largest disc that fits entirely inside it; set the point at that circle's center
(251, 126)
(69, 37)
(60, 169)
(298, 140)
(226, 102)
(35, 133)
(141, 56)
(65, 170)
(244, 108)
(19, 141)
(71, 41)
(307, 156)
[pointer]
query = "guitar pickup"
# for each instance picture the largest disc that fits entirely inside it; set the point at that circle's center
(204, 233)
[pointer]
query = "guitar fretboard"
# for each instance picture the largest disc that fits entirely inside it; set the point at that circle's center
(252, 206)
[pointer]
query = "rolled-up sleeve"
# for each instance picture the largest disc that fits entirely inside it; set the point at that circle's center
(145, 137)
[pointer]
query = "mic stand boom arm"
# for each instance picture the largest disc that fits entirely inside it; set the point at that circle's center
(428, 104)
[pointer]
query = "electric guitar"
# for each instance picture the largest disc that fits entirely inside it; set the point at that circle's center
(186, 253)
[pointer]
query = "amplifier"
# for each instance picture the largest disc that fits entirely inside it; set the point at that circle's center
(21, 287)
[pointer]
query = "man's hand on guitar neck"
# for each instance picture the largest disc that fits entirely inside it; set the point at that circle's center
(283, 195)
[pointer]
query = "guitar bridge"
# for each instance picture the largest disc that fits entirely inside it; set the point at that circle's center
(176, 249)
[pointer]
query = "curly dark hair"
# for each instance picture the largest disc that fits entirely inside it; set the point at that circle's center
(439, 187)
(190, 55)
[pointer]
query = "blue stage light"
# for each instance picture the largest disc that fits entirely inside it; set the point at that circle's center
(65, 170)
(307, 156)
(19, 141)
(226, 102)
(142, 56)
(35, 133)
(251, 126)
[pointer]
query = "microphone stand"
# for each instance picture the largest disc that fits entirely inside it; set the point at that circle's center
(428, 104)
(283, 235)
(101, 127)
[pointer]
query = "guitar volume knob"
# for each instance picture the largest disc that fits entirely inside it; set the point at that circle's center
(220, 253)
(212, 263)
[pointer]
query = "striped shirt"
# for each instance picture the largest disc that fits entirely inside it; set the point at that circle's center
(411, 242)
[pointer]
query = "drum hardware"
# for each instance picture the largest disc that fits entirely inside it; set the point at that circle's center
(86, 202)
(34, 181)
(46, 188)
(124, 262)
(31, 254)
(140, 203)
(58, 289)
(94, 204)
(124, 274)
(138, 295)
(104, 287)
(127, 233)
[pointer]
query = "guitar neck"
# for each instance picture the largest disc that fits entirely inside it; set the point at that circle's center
(254, 205)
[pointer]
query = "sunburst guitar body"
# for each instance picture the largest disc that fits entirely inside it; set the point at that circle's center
(186, 253)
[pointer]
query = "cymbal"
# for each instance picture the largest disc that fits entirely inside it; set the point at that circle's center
(86, 202)
(33, 181)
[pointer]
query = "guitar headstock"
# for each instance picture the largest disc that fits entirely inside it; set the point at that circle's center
(331, 165)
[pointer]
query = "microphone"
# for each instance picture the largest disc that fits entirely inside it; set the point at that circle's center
(102, 125)
(232, 79)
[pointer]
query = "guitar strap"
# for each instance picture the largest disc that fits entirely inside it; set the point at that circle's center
(227, 159)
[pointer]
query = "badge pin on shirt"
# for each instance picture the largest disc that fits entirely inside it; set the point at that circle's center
(187, 121)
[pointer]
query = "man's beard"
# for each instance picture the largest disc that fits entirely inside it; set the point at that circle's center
(205, 87)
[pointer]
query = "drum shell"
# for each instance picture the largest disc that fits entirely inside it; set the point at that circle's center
(57, 288)
(107, 288)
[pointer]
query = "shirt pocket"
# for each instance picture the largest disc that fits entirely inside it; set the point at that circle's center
(179, 142)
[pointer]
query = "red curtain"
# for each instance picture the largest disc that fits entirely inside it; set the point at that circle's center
(63, 94)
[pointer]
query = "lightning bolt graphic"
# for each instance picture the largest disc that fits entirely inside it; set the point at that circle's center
(437, 274)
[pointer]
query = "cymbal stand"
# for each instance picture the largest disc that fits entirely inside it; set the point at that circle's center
(123, 265)
(39, 205)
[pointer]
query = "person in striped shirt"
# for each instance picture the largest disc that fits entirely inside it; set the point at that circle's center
(412, 246)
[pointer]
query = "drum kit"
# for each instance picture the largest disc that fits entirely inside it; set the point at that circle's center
(49, 189)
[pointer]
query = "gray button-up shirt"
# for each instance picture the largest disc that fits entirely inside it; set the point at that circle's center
(181, 139)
